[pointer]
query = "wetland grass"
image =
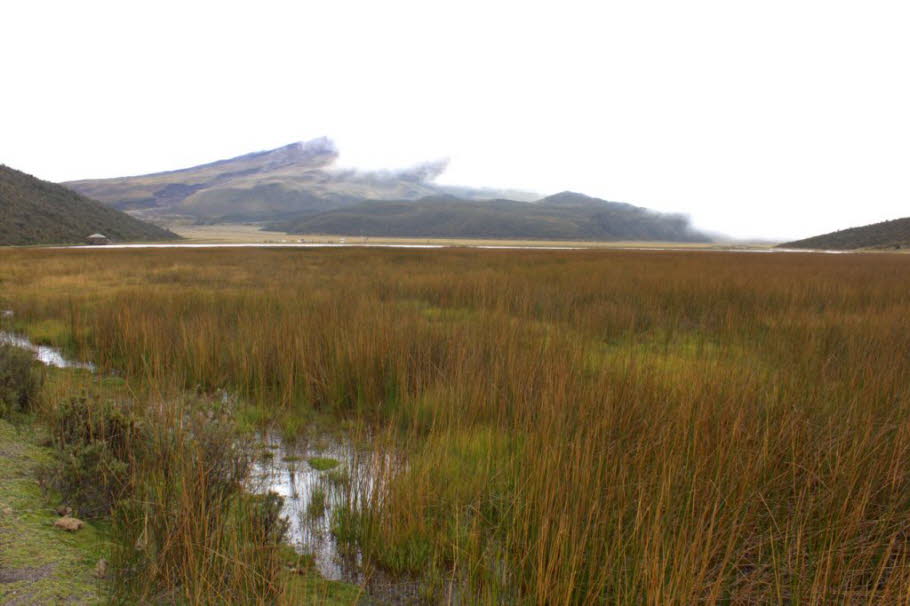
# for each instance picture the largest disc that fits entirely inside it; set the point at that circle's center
(573, 427)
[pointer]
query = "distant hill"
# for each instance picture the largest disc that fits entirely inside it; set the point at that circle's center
(288, 182)
(564, 216)
(33, 211)
(887, 234)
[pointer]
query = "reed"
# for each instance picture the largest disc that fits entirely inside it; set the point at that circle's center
(578, 426)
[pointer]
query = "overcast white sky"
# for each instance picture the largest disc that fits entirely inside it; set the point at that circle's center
(763, 118)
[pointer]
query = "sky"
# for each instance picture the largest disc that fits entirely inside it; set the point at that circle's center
(772, 119)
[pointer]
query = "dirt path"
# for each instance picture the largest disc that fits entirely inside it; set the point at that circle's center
(39, 564)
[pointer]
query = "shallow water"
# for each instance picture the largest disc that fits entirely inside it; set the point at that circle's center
(255, 245)
(312, 497)
(50, 356)
(315, 245)
(733, 249)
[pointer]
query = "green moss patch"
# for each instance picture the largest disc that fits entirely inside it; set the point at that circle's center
(310, 588)
(322, 463)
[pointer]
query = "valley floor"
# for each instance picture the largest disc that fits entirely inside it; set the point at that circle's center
(243, 233)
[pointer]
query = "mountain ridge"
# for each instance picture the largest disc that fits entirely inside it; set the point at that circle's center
(295, 178)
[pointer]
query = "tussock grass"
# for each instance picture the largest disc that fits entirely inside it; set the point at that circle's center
(20, 382)
(578, 427)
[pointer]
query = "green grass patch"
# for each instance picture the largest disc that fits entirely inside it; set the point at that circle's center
(310, 588)
(322, 463)
(49, 331)
(316, 507)
(47, 565)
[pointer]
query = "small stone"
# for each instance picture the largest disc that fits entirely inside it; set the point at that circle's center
(69, 524)
(101, 569)
(63, 510)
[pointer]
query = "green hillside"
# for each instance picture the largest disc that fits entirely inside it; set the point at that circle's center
(887, 234)
(33, 211)
(565, 216)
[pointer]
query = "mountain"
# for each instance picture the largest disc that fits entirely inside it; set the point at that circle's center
(33, 211)
(297, 188)
(564, 216)
(288, 182)
(887, 234)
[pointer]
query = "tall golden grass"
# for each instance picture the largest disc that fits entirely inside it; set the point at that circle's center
(579, 426)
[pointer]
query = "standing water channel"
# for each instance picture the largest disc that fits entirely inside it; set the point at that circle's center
(318, 480)
(49, 356)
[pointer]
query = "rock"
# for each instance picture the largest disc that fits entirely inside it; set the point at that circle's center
(101, 569)
(69, 524)
(63, 510)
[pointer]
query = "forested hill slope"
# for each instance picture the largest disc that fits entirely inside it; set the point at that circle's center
(33, 211)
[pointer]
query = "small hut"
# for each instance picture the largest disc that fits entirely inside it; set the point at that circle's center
(98, 239)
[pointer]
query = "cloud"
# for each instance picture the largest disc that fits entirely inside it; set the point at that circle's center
(424, 172)
(321, 151)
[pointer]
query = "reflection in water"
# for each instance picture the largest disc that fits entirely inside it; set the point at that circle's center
(317, 483)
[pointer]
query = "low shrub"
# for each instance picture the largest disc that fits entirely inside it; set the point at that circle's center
(97, 445)
(20, 381)
(171, 478)
(188, 532)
